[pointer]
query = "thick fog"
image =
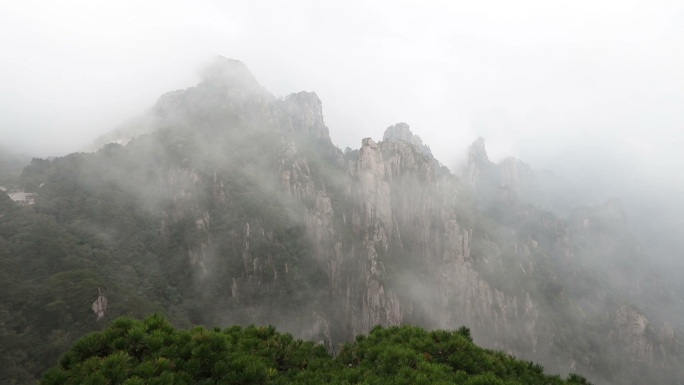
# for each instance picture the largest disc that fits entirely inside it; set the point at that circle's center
(590, 90)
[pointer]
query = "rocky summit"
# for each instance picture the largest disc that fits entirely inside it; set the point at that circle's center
(225, 205)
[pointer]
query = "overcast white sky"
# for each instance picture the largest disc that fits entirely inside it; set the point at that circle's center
(547, 81)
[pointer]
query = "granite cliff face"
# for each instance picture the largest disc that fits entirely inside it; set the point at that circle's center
(513, 180)
(277, 225)
(592, 268)
(388, 228)
(510, 178)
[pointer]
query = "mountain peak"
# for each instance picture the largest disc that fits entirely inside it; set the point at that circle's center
(306, 114)
(222, 70)
(477, 153)
(613, 208)
(401, 132)
(477, 159)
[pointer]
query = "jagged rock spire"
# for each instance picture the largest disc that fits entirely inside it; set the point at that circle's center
(306, 115)
(401, 132)
(100, 305)
(478, 160)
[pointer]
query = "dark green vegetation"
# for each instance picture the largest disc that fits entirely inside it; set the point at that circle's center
(152, 352)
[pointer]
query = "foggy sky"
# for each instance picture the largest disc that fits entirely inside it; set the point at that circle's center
(559, 84)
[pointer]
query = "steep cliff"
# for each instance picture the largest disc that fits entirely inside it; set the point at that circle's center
(228, 205)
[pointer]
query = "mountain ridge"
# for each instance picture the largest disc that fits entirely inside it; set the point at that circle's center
(234, 207)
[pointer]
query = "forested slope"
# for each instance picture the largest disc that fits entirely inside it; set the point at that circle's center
(153, 352)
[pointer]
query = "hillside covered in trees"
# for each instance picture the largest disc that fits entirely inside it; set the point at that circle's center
(150, 352)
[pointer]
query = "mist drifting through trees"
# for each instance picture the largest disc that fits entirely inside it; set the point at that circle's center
(532, 194)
